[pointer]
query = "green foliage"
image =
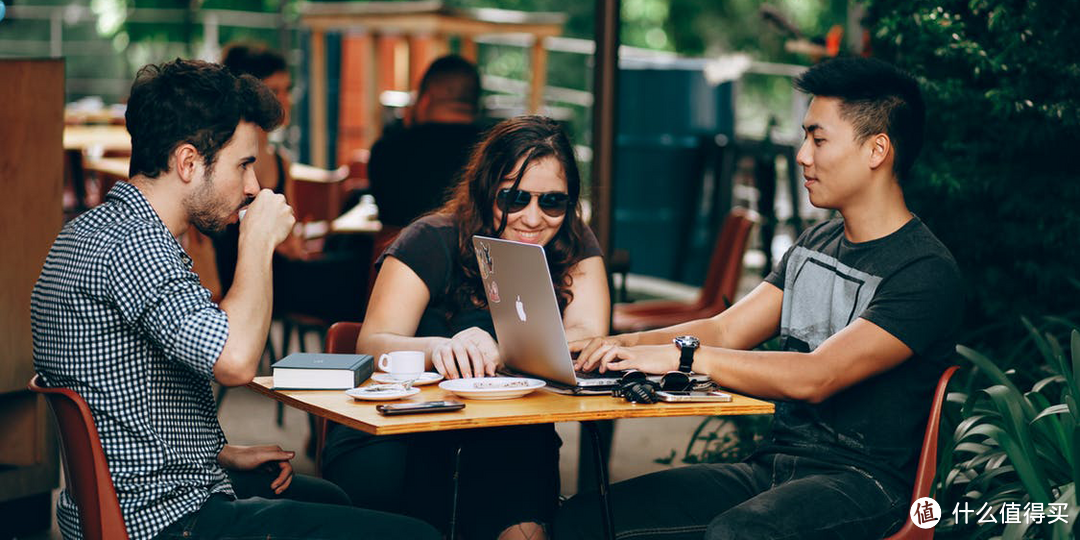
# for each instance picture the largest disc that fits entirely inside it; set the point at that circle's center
(725, 439)
(995, 181)
(701, 27)
(1012, 447)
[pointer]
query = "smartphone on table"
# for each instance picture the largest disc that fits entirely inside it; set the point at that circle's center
(682, 397)
(422, 407)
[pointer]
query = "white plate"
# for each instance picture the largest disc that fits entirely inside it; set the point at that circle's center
(427, 378)
(491, 387)
(381, 392)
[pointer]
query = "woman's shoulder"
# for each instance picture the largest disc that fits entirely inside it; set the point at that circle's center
(425, 235)
(590, 246)
(432, 224)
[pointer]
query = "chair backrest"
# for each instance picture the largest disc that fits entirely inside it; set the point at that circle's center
(85, 469)
(924, 475)
(341, 337)
(315, 200)
(726, 263)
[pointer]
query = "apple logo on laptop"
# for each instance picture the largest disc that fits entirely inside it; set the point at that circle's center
(520, 308)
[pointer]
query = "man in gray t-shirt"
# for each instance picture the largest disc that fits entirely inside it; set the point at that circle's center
(866, 308)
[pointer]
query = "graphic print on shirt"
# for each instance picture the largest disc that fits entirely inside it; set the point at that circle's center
(827, 295)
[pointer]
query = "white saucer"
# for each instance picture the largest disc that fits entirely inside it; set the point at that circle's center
(492, 387)
(427, 378)
(381, 392)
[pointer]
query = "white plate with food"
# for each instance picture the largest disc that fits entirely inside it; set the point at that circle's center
(492, 387)
(381, 392)
(426, 378)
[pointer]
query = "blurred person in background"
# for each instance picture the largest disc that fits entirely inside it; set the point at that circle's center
(413, 169)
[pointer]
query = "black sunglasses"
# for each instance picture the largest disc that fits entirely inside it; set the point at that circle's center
(672, 381)
(552, 203)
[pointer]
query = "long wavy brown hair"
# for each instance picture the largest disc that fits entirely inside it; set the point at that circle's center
(471, 207)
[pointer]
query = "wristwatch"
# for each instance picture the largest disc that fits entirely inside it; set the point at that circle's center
(687, 345)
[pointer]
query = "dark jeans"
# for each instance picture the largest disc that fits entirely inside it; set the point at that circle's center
(507, 475)
(310, 509)
(771, 496)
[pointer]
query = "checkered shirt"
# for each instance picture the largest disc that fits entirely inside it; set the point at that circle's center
(119, 317)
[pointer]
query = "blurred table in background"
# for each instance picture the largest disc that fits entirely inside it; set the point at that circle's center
(97, 139)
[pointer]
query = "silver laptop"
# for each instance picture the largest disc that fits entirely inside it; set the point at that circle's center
(528, 325)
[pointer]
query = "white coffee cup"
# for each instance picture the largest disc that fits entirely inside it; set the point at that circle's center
(403, 365)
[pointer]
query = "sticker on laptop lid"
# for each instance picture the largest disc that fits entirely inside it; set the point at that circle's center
(484, 260)
(493, 293)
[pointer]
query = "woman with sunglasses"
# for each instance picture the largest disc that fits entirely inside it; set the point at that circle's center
(522, 184)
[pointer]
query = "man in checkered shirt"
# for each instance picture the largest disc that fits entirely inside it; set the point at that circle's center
(119, 317)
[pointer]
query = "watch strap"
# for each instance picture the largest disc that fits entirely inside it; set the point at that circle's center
(686, 359)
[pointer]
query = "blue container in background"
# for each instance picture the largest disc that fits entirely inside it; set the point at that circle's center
(669, 120)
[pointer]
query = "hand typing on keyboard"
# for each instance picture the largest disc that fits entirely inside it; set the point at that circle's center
(617, 353)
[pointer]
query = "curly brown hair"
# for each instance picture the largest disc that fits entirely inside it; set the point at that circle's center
(471, 207)
(190, 101)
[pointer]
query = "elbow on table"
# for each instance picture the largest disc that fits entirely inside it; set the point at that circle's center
(230, 371)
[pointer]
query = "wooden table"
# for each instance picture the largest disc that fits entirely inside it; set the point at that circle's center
(112, 166)
(540, 407)
(307, 173)
(99, 138)
(357, 220)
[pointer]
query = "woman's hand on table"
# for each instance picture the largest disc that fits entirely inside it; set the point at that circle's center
(248, 458)
(470, 353)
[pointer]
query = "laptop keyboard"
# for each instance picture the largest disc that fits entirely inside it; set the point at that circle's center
(598, 375)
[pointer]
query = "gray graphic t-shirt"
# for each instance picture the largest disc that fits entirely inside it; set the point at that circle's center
(908, 284)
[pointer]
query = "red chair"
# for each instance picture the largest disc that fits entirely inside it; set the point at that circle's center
(340, 339)
(924, 475)
(718, 292)
(86, 471)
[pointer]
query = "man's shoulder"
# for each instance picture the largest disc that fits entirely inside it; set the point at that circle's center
(443, 132)
(926, 237)
(932, 254)
(103, 231)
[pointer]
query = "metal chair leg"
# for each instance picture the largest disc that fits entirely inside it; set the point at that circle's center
(587, 449)
(454, 496)
(601, 481)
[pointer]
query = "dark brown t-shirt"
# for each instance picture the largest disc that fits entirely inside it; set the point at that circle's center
(429, 248)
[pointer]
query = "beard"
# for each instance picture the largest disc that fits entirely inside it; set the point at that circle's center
(206, 212)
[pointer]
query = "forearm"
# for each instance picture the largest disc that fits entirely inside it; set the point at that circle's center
(248, 306)
(226, 457)
(766, 374)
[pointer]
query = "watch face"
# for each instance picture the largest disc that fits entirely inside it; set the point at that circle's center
(690, 342)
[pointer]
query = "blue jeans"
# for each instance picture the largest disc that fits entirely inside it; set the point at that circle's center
(311, 509)
(770, 496)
